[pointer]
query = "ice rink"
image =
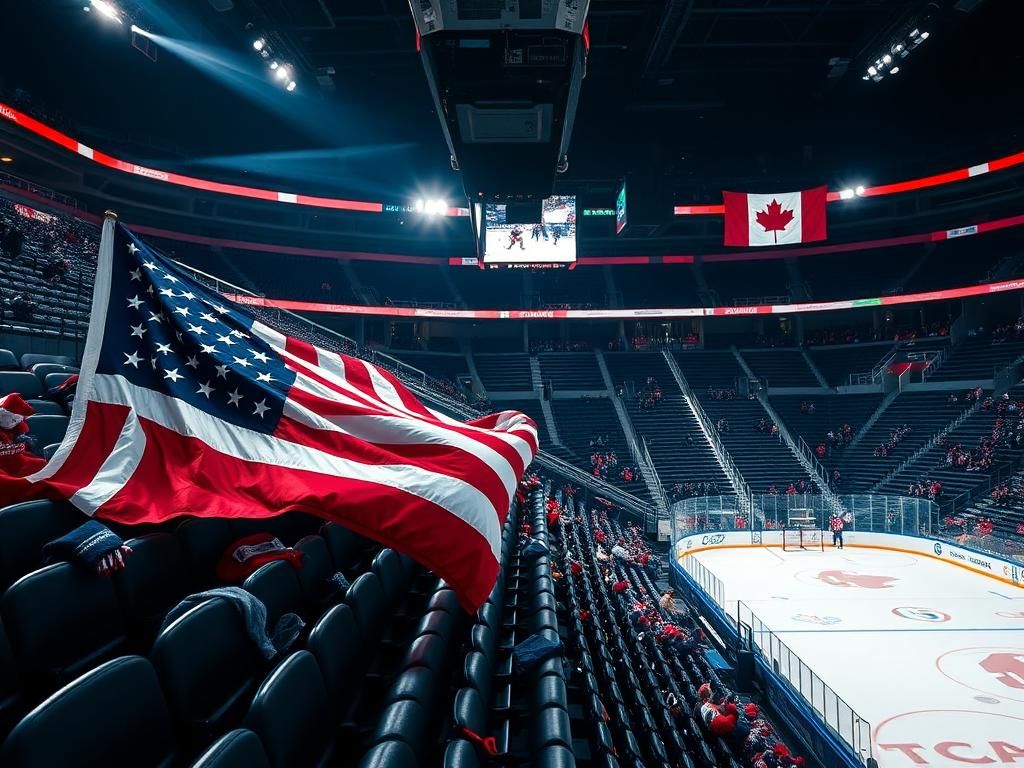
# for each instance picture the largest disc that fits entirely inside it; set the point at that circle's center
(930, 654)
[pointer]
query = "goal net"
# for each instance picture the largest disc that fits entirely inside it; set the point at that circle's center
(795, 539)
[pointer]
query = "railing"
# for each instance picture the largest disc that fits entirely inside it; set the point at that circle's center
(827, 705)
(10, 180)
(704, 578)
(905, 515)
(883, 365)
(933, 359)
(660, 500)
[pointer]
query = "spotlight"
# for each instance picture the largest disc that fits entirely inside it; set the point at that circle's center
(259, 43)
(894, 70)
(859, 190)
(419, 205)
(924, 35)
(872, 71)
(6, 159)
(274, 65)
(106, 9)
(437, 207)
(281, 73)
(915, 32)
(887, 59)
(291, 86)
(845, 194)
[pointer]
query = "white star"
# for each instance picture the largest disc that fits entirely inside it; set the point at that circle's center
(222, 371)
(163, 349)
(152, 361)
(157, 318)
(208, 317)
(187, 295)
(170, 279)
(183, 311)
(167, 292)
(133, 248)
(264, 377)
(225, 340)
(261, 408)
(133, 360)
(234, 398)
(173, 375)
(136, 274)
(242, 362)
(151, 265)
(178, 336)
(209, 349)
(138, 330)
(193, 361)
(219, 309)
(239, 335)
(260, 356)
(197, 329)
(134, 302)
(205, 389)
(150, 290)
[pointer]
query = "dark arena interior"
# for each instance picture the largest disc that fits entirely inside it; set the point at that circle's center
(511, 383)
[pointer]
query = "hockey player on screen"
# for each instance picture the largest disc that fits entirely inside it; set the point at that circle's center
(516, 236)
(837, 526)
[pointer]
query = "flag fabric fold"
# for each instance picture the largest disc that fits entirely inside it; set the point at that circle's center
(779, 218)
(189, 405)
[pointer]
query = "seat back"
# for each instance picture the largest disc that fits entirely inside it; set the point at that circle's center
(343, 545)
(25, 528)
(335, 642)
(154, 579)
(207, 665)
(47, 429)
(55, 379)
(240, 748)
(391, 575)
(366, 599)
(8, 362)
(203, 541)
(113, 715)
(389, 754)
(291, 714)
(316, 569)
(22, 382)
(42, 370)
(61, 621)
(33, 358)
(275, 585)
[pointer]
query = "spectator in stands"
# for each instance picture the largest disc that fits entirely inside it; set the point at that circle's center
(55, 270)
(12, 242)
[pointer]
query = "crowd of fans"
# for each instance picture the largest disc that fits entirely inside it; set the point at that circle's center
(896, 436)
(925, 489)
(604, 462)
(1004, 333)
(792, 489)
(851, 335)
(1007, 431)
(557, 345)
(766, 427)
(649, 396)
(688, 490)
(721, 393)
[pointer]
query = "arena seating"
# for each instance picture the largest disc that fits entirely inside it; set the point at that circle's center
(925, 412)
(504, 373)
(709, 368)
(780, 367)
(837, 363)
(830, 413)
(571, 370)
(978, 357)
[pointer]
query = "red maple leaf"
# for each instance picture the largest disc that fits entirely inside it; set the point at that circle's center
(773, 218)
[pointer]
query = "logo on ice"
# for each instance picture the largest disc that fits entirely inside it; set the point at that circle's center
(852, 579)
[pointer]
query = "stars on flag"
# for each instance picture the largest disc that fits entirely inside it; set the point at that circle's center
(134, 302)
(261, 408)
(208, 317)
(205, 389)
(163, 349)
(183, 311)
(198, 330)
(138, 330)
(173, 375)
(193, 361)
(226, 340)
(156, 317)
(222, 372)
(133, 248)
(208, 349)
(169, 293)
(136, 274)
(261, 357)
(234, 398)
(242, 362)
(133, 359)
(264, 377)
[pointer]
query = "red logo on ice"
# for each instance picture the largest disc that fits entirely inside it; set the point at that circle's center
(1008, 668)
(862, 580)
(774, 218)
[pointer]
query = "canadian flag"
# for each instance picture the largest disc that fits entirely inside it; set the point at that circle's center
(775, 219)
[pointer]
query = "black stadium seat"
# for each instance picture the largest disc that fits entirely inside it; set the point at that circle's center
(10, 688)
(30, 358)
(52, 380)
(203, 541)
(8, 362)
(42, 370)
(47, 429)
(334, 641)
(275, 585)
(291, 714)
(22, 382)
(315, 573)
(208, 667)
(390, 754)
(61, 621)
(111, 717)
(25, 528)
(152, 582)
(240, 748)
(46, 408)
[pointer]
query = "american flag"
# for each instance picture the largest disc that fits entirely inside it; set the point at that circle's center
(188, 405)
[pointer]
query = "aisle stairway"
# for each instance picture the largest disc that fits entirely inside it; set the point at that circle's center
(830, 412)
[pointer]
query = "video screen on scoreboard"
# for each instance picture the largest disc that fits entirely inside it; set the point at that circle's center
(552, 240)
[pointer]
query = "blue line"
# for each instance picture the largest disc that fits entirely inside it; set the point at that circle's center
(999, 594)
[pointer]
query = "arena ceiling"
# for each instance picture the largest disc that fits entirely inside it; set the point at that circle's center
(692, 91)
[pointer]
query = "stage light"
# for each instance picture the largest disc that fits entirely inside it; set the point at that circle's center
(887, 59)
(274, 65)
(281, 73)
(6, 159)
(419, 205)
(259, 43)
(894, 70)
(291, 86)
(859, 190)
(915, 33)
(845, 194)
(872, 71)
(924, 35)
(106, 9)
